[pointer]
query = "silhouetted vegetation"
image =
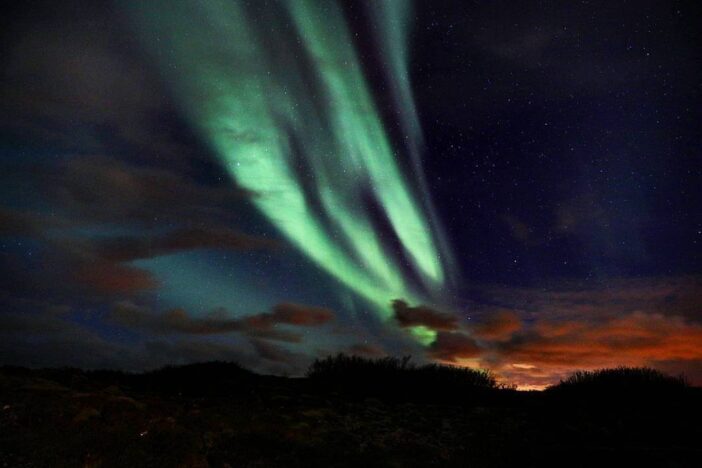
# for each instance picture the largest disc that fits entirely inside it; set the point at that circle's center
(401, 379)
(626, 378)
(344, 367)
(350, 412)
(613, 386)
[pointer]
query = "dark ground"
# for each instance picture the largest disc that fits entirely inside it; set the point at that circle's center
(220, 415)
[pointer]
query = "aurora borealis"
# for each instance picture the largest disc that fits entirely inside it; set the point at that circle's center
(310, 143)
(489, 185)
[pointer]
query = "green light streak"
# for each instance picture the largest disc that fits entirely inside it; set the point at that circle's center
(358, 128)
(392, 24)
(278, 92)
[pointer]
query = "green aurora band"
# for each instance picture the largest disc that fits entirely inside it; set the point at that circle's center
(278, 92)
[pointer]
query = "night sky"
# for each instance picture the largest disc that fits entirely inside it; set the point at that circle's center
(504, 185)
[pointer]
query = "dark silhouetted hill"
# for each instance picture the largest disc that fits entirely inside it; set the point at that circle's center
(347, 412)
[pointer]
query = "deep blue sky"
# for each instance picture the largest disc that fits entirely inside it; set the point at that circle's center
(584, 113)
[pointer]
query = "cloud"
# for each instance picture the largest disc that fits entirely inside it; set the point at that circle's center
(26, 223)
(121, 249)
(275, 353)
(61, 87)
(408, 316)
(674, 295)
(534, 337)
(631, 339)
(367, 350)
(292, 314)
(69, 274)
(497, 325)
(100, 194)
(105, 189)
(256, 355)
(113, 278)
(38, 333)
(263, 325)
(453, 346)
(549, 351)
(538, 336)
(77, 268)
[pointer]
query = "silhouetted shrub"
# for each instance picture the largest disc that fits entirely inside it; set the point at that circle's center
(343, 366)
(630, 385)
(623, 378)
(454, 375)
(399, 378)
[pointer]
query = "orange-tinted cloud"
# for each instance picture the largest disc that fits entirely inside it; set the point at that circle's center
(367, 350)
(113, 278)
(263, 325)
(453, 346)
(551, 350)
(421, 315)
(291, 314)
(541, 336)
(498, 325)
(633, 339)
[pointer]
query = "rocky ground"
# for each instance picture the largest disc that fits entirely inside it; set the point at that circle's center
(227, 417)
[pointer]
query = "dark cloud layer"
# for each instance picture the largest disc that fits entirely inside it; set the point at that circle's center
(167, 213)
(263, 325)
(20, 223)
(498, 325)
(36, 333)
(108, 189)
(453, 347)
(367, 350)
(408, 316)
(122, 249)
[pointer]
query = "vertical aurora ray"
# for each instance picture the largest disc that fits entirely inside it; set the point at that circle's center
(277, 90)
(392, 24)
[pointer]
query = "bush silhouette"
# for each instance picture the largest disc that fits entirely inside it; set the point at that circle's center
(630, 385)
(399, 378)
(343, 366)
(623, 378)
